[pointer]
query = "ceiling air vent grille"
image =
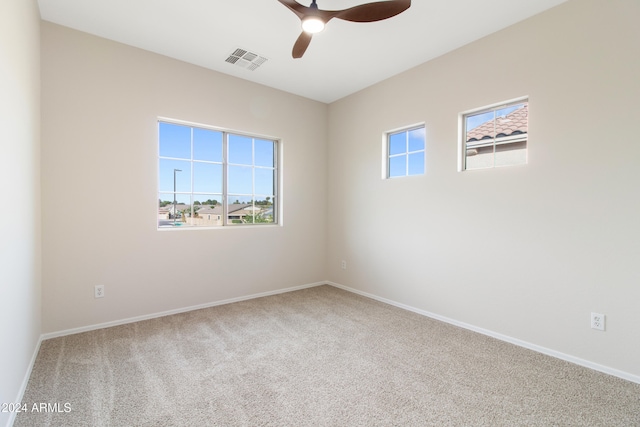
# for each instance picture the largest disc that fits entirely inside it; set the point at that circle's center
(246, 59)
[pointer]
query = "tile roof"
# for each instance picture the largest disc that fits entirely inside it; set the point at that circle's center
(217, 210)
(514, 123)
(209, 209)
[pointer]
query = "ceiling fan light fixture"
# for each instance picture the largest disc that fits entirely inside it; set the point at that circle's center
(314, 19)
(312, 24)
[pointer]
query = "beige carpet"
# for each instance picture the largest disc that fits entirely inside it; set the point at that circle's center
(316, 357)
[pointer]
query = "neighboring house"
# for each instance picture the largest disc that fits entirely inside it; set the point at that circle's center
(167, 211)
(237, 211)
(163, 213)
(208, 215)
(507, 134)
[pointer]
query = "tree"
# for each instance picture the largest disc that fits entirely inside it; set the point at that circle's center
(265, 202)
(257, 219)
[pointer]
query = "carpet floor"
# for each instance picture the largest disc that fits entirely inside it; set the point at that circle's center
(316, 357)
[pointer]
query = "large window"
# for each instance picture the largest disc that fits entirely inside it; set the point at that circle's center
(496, 136)
(406, 152)
(210, 178)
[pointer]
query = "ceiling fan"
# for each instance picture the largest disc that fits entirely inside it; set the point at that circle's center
(314, 19)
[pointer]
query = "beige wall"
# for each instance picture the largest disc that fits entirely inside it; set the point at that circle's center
(20, 177)
(100, 102)
(527, 251)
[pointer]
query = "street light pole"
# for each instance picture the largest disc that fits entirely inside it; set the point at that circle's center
(174, 195)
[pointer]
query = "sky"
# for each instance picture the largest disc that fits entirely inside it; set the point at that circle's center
(407, 152)
(198, 164)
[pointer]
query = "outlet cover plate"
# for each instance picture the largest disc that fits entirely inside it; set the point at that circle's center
(597, 321)
(99, 291)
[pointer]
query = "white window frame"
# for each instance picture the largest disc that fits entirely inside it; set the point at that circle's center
(462, 132)
(226, 223)
(386, 156)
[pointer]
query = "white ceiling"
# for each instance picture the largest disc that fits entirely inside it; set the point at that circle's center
(343, 59)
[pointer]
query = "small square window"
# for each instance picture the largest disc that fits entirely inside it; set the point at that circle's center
(496, 136)
(406, 152)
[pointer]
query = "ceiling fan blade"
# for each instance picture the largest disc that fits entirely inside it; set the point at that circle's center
(368, 12)
(371, 12)
(301, 44)
(296, 7)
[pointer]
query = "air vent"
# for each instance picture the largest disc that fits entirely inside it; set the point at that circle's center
(245, 59)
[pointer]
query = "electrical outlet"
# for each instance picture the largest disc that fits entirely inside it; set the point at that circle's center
(99, 291)
(597, 321)
(343, 264)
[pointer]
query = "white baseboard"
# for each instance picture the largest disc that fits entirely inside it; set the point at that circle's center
(25, 382)
(176, 311)
(549, 352)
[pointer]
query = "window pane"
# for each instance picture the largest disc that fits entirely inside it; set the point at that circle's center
(207, 177)
(167, 208)
(207, 211)
(167, 199)
(238, 208)
(475, 120)
(398, 166)
(264, 151)
(240, 150)
(175, 141)
(416, 163)
(480, 158)
(182, 175)
(400, 162)
(416, 139)
(164, 199)
(497, 137)
(239, 199)
(268, 213)
(502, 113)
(265, 201)
(511, 154)
(240, 180)
(263, 213)
(243, 210)
(264, 181)
(397, 143)
(207, 145)
(208, 200)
